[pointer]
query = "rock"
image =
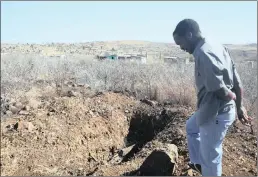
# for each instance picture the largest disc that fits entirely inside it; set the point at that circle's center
(50, 113)
(91, 113)
(27, 108)
(189, 172)
(149, 102)
(71, 93)
(24, 112)
(13, 109)
(244, 169)
(19, 105)
(226, 150)
(238, 131)
(251, 171)
(125, 151)
(80, 85)
(126, 111)
(87, 86)
(161, 161)
(51, 109)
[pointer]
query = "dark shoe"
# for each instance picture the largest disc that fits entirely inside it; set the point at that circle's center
(196, 167)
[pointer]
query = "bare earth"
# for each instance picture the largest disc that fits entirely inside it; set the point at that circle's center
(77, 131)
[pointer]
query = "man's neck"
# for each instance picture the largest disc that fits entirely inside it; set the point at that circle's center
(196, 41)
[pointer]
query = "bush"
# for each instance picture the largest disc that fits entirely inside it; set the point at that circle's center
(159, 81)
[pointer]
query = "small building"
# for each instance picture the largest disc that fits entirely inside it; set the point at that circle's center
(112, 57)
(121, 57)
(101, 57)
(170, 59)
(107, 55)
(250, 64)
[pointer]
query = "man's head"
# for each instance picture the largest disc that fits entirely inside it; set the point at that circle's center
(186, 35)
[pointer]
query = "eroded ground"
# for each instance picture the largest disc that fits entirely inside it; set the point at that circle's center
(73, 130)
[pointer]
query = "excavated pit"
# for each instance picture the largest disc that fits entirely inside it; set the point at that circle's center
(145, 124)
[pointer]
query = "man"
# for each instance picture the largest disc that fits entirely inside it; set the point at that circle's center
(219, 92)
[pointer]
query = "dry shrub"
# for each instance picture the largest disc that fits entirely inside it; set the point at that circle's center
(159, 81)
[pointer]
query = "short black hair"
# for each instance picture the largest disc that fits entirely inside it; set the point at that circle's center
(187, 25)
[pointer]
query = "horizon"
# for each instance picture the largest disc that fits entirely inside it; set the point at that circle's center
(48, 22)
(67, 43)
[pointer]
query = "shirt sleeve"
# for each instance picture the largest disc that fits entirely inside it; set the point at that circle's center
(236, 77)
(211, 70)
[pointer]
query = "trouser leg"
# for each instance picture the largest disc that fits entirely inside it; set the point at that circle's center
(193, 139)
(212, 134)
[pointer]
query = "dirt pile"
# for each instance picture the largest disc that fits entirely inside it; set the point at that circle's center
(62, 135)
(72, 130)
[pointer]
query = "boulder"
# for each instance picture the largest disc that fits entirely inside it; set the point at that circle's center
(13, 109)
(160, 161)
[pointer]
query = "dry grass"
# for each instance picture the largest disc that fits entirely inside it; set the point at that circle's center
(155, 81)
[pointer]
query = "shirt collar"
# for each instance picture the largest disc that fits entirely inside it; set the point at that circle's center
(200, 43)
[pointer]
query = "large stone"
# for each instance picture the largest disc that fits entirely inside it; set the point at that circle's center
(13, 109)
(19, 105)
(160, 161)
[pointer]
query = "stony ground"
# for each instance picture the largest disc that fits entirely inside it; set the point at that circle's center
(72, 130)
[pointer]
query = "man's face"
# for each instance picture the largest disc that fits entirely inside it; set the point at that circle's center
(184, 43)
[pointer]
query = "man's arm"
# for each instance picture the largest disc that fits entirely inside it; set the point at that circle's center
(237, 84)
(212, 71)
(225, 94)
(238, 89)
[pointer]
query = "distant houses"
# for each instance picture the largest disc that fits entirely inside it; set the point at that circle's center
(141, 58)
(123, 57)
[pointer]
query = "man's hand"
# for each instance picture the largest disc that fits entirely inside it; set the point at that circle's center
(243, 117)
(225, 94)
(232, 95)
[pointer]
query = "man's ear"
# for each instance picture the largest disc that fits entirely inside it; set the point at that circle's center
(189, 35)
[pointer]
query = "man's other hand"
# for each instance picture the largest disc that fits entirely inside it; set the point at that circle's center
(243, 117)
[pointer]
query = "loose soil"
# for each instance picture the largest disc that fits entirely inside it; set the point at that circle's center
(72, 130)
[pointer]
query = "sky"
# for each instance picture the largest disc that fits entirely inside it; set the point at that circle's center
(83, 21)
